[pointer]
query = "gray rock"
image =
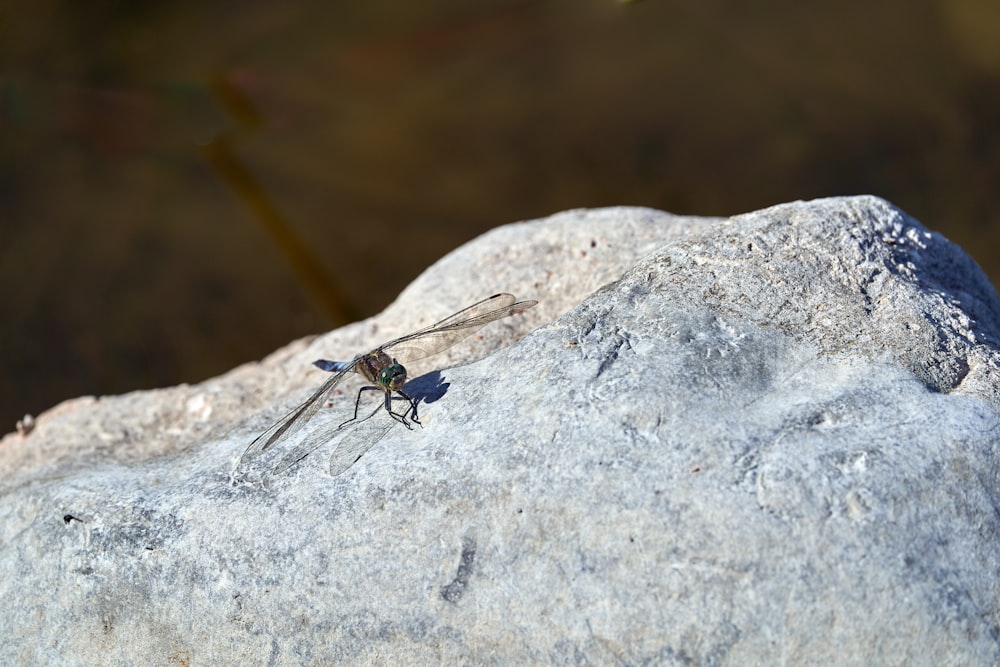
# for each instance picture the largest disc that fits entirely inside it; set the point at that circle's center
(773, 439)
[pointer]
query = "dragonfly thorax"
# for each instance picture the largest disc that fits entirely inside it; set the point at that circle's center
(382, 370)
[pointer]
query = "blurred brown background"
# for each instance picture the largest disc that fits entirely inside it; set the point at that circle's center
(188, 187)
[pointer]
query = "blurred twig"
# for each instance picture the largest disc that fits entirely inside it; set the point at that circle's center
(220, 154)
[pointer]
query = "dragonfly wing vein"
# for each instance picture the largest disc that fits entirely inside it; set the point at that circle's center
(294, 420)
(447, 332)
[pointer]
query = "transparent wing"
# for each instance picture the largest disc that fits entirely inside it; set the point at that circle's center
(442, 335)
(294, 420)
(360, 440)
(354, 447)
(309, 444)
(357, 437)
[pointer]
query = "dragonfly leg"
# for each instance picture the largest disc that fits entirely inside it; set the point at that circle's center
(357, 404)
(401, 418)
(413, 407)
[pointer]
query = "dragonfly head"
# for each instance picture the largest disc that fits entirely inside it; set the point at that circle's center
(392, 378)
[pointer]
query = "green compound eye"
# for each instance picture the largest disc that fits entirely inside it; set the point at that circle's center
(392, 377)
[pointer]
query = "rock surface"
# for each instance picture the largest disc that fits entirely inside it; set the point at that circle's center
(765, 439)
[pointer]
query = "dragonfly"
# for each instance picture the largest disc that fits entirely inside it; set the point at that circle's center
(382, 367)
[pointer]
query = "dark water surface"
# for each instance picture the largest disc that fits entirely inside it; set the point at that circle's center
(186, 188)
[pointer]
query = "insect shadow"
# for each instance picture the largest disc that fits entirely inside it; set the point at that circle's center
(428, 388)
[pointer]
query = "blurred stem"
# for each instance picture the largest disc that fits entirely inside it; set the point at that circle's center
(219, 153)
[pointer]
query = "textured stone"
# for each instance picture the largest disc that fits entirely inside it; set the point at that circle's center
(773, 439)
